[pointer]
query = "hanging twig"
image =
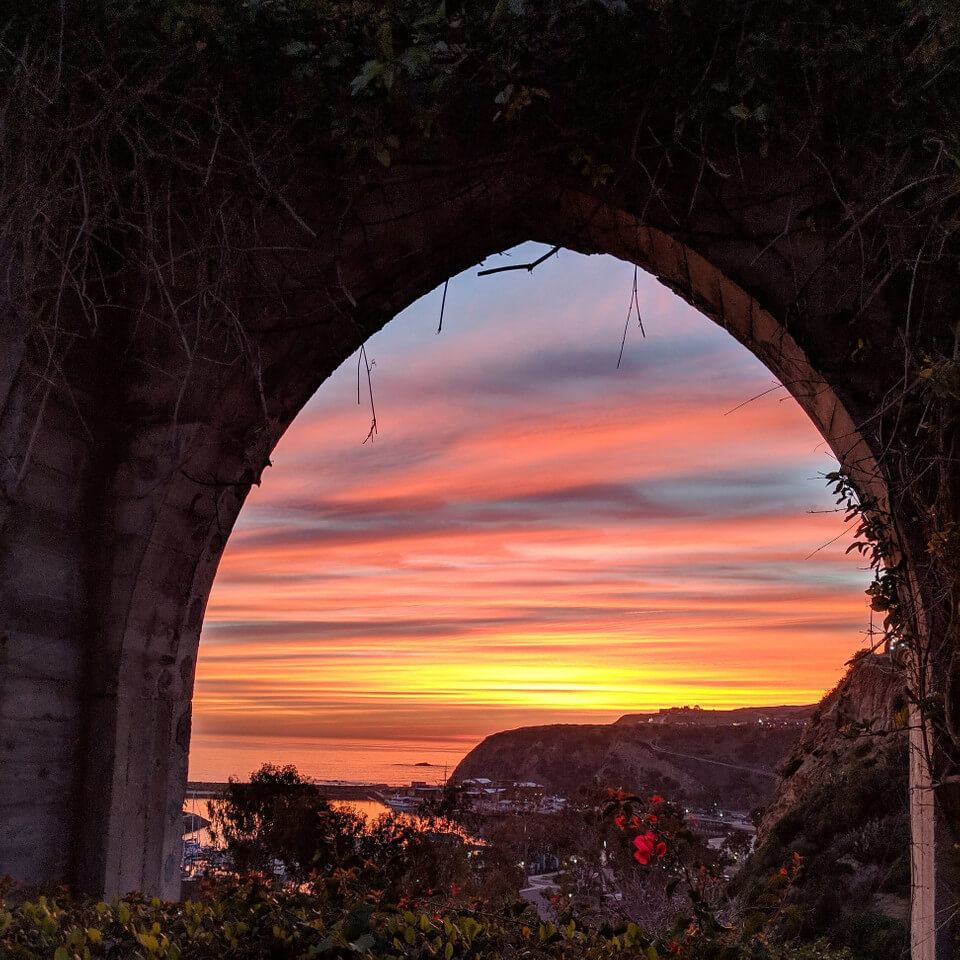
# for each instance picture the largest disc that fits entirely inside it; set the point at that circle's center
(756, 396)
(529, 267)
(443, 303)
(634, 303)
(362, 358)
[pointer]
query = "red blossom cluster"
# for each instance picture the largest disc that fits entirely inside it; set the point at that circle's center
(647, 844)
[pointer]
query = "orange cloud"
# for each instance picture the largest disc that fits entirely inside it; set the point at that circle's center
(532, 537)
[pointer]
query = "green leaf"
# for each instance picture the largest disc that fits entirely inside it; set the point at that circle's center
(416, 60)
(368, 73)
(741, 111)
(61, 954)
(448, 951)
(363, 944)
(149, 941)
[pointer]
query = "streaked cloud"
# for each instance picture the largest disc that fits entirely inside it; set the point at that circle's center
(533, 536)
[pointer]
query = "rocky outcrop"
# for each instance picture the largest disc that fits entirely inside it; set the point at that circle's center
(872, 692)
(842, 805)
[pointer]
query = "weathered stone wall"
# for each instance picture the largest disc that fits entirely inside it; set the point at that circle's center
(46, 542)
(125, 467)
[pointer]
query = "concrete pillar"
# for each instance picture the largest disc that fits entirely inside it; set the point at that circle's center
(45, 539)
(166, 529)
(923, 850)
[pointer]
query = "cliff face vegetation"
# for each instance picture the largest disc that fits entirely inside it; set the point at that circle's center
(842, 804)
(732, 765)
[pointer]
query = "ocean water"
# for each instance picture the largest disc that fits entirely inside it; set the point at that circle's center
(201, 808)
(393, 762)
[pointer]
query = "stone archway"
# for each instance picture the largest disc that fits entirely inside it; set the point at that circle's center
(133, 423)
(183, 486)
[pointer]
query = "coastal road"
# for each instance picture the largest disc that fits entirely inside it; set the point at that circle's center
(719, 763)
(540, 888)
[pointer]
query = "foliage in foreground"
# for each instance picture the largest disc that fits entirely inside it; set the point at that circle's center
(379, 892)
(252, 919)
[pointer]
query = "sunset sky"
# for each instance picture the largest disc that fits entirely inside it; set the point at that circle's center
(533, 535)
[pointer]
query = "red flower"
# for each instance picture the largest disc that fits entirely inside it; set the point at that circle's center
(656, 798)
(619, 820)
(645, 844)
(783, 872)
(636, 822)
(673, 946)
(453, 889)
(651, 818)
(661, 850)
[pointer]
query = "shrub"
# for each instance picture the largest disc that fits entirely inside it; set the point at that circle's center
(252, 919)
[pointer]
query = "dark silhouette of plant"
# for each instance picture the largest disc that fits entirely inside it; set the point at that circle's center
(280, 817)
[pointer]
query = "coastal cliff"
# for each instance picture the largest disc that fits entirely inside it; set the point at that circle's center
(872, 690)
(732, 764)
(842, 804)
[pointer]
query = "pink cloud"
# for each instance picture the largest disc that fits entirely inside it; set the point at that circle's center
(599, 544)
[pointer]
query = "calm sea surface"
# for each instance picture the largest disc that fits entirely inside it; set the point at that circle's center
(202, 808)
(361, 761)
